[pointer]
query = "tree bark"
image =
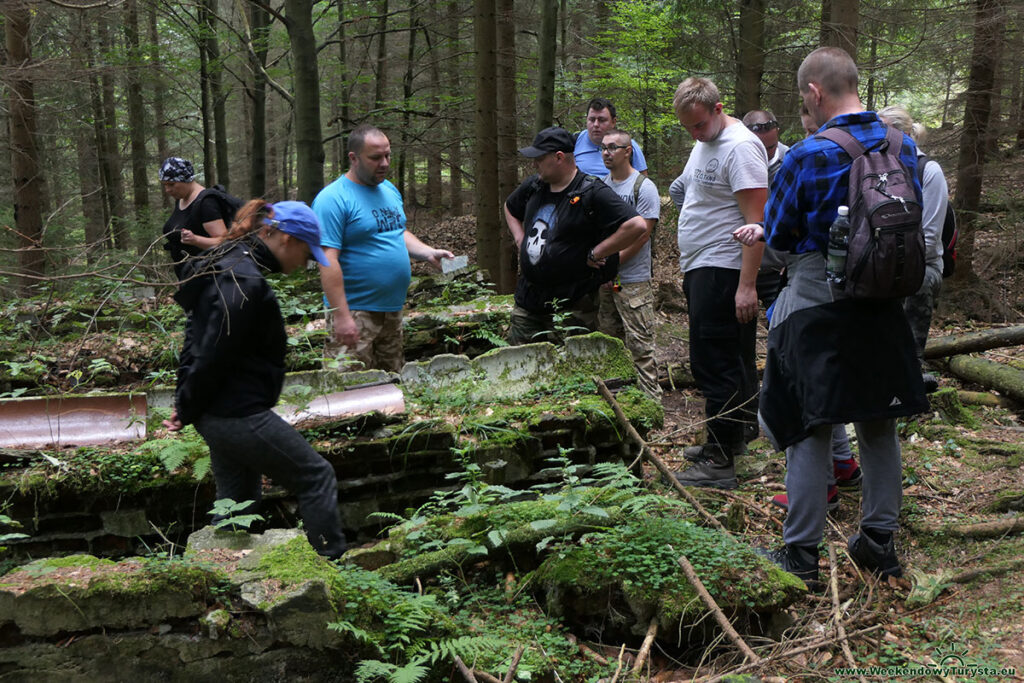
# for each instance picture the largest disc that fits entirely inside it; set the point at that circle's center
(159, 119)
(508, 169)
(546, 50)
(750, 60)
(90, 182)
(260, 22)
(989, 374)
(974, 342)
(434, 200)
(214, 72)
(839, 24)
(410, 60)
(988, 31)
(25, 171)
(309, 147)
(111, 161)
(136, 119)
(205, 103)
(488, 238)
(380, 90)
(453, 73)
(344, 92)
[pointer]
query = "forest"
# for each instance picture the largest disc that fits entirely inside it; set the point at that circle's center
(499, 530)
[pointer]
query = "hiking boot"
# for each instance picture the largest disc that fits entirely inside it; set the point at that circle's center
(782, 500)
(699, 454)
(875, 551)
(848, 475)
(751, 430)
(715, 469)
(800, 561)
(931, 384)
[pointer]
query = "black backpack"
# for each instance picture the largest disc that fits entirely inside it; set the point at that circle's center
(950, 232)
(229, 204)
(885, 257)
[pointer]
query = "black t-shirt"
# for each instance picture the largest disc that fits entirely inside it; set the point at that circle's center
(560, 230)
(202, 210)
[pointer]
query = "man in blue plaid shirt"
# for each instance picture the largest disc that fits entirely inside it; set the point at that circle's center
(831, 359)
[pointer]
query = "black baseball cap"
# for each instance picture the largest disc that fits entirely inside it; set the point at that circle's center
(549, 140)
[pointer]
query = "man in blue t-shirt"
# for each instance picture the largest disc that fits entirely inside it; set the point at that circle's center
(362, 223)
(600, 120)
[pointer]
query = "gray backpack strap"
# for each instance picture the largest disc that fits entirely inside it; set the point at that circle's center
(640, 178)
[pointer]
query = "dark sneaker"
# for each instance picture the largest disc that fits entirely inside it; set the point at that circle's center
(716, 469)
(875, 552)
(751, 430)
(848, 475)
(800, 561)
(702, 452)
(782, 500)
(931, 385)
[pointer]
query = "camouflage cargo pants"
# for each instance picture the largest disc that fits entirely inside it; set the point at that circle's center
(629, 315)
(379, 345)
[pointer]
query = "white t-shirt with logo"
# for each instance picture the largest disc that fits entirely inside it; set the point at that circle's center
(715, 171)
(648, 205)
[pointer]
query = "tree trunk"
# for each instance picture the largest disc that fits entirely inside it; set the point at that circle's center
(453, 74)
(434, 200)
(839, 24)
(750, 60)
(380, 91)
(137, 120)
(309, 147)
(25, 170)
(973, 342)
(217, 95)
(89, 179)
(508, 169)
(871, 78)
(990, 374)
(260, 22)
(546, 50)
(159, 90)
(410, 60)
(344, 90)
(488, 238)
(112, 164)
(988, 31)
(205, 105)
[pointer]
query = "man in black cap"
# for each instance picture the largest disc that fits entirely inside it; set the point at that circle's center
(569, 228)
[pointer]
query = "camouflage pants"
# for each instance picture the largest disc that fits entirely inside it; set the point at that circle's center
(379, 345)
(579, 317)
(629, 315)
(918, 307)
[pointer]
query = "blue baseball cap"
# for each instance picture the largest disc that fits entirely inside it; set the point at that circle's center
(298, 220)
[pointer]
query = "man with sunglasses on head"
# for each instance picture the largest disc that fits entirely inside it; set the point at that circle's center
(724, 185)
(587, 151)
(626, 306)
(769, 277)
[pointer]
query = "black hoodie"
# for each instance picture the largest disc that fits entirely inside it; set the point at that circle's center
(232, 362)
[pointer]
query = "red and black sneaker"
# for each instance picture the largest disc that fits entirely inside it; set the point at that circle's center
(782, 500)
(848, 475)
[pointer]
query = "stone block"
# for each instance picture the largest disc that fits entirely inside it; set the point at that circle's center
(514, 371)
(443, 370)
(128, 523)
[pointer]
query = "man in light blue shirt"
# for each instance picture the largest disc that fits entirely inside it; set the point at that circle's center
(362, 222)
(600, 120)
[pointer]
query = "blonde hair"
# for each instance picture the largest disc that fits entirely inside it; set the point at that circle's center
(899, 118)
(248, 219)
(693, 91)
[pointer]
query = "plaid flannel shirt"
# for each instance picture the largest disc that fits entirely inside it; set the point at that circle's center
(812, 184)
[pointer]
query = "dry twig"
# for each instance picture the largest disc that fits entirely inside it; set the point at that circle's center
(515, 664)
(464, 670)
(833, 582)
(645, 649)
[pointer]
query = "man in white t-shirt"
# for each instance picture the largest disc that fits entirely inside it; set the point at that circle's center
(725, 184)
(627, 305)
(600, 119)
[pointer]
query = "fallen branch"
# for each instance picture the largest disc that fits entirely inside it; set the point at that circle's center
(464, 670)
(833, 582)
(618, 669)
(485, 677)
(984, 398)
(1009, 381)
(587, 652)
(659, 464)
(645, 648)
(510, 674)
(709, 601)
(973, 342)
(999, 527)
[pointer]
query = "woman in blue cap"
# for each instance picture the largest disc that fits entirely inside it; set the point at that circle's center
(232, 366)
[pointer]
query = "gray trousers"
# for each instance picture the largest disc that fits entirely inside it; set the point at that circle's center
(243, 449)
(809, 473)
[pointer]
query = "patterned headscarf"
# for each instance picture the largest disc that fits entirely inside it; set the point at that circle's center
(176, 170)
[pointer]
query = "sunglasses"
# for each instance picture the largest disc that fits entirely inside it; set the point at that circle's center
(612, 147)
(763, 127)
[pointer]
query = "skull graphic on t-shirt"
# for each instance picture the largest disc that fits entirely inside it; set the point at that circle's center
(540, 232)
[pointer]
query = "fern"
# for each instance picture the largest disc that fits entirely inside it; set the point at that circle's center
(468, 648)
(200, 468)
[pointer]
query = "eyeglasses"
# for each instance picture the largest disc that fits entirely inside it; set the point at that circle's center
(612, 147)
(763, 127)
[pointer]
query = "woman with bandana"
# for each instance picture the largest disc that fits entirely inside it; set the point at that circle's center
(197, 223)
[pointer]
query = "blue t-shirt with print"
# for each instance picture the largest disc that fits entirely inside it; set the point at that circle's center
(367, 225)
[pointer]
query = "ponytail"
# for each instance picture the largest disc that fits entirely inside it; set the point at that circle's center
(248, 219)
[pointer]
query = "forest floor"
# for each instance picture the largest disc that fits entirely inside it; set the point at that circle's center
(958, 472)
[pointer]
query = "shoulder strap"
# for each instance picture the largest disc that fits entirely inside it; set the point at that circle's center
(844, 139)
(640, 178)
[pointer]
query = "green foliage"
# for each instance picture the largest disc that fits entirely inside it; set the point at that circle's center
(6, 521)
(186, 448)
(228, 510)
